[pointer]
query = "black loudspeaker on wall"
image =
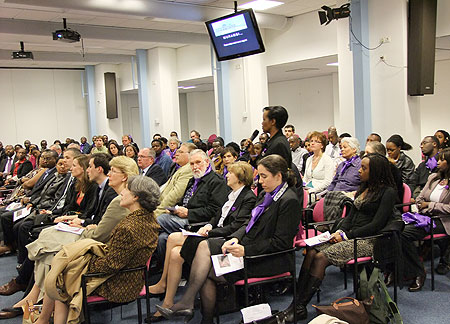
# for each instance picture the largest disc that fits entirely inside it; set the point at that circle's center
(111, 95)
(421, 46)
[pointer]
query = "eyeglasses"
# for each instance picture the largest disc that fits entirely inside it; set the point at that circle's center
(143, 156)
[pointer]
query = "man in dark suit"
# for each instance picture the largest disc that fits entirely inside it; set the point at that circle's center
(148, 167)
(97, 172)
(205, 195)
(21, 167)
(10, 229)
(7, 163)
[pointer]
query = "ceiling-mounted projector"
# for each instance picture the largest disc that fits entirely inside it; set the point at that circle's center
(66, 35)
(22, 55)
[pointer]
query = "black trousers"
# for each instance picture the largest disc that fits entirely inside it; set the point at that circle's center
(23, 238)
(10, 229)
(413, 266)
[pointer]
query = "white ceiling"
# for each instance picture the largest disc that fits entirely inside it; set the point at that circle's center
(118, 27)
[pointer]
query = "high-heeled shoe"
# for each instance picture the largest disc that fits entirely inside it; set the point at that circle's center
(187, 313)
(31, 312)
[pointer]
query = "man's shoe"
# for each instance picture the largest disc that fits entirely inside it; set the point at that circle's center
(442, 268)
(11, 288)
(417, 283)
(10, 312)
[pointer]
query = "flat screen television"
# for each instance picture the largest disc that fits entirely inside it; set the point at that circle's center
(235, 35)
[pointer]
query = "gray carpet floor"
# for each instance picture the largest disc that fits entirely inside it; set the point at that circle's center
(421, 307)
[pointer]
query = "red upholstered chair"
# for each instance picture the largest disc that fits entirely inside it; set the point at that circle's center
(433, 237)
(249, 282)
(96, 300)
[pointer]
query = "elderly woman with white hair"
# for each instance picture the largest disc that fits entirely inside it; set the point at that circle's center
(347, 176)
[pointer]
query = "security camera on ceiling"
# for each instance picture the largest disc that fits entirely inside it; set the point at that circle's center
(22, 55)
(66, 35)
(334, 14)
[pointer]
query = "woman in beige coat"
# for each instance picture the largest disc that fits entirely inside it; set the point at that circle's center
(132, 243)
(50, 240)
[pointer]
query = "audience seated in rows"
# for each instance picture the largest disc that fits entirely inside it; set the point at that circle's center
(269, 230)
(205, 194)
(132, 243)
(50, 240)
(373, 207)
(433, 200)
(200, 192)
(180, 248)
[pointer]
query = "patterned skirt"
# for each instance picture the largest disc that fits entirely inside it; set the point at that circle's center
(340, 253)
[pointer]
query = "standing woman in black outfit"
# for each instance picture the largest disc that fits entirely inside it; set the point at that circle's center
(271, 228)
(373, 206)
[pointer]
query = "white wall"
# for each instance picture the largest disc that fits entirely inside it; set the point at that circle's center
(434, 109)
(201, 113)
(41, 104)
(126, 77)
(304, 39)
(309, 102)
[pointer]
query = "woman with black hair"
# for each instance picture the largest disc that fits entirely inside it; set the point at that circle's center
(433, 200)
(373, 206)
(394, 147)
(444, 139)
(271, 228)
(114, 148)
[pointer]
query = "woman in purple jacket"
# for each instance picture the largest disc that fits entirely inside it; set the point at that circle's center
(347, 176)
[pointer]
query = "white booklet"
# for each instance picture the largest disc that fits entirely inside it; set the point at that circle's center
(324, 237)
(226, 263)
(13, 205)
(188, 233)
(256, 312)
(21, 213)
(70, 229)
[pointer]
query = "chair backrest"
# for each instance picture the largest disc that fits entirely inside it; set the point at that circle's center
(318, 211)
(406, 197)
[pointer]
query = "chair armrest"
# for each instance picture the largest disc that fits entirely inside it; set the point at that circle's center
(269, 254)
(323, 223)
(440, 216)
(404, 205)
(371, 236)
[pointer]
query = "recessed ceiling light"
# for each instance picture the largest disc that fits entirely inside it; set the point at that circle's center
(190, 87)
(261, 4)
(333, 64)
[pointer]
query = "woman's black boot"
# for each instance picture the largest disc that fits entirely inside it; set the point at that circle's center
(305, 295)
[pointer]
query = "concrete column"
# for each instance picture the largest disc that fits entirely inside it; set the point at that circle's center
(144, 106)
(361, 68)
(241, 92)
(91, 108)
(162, 87)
